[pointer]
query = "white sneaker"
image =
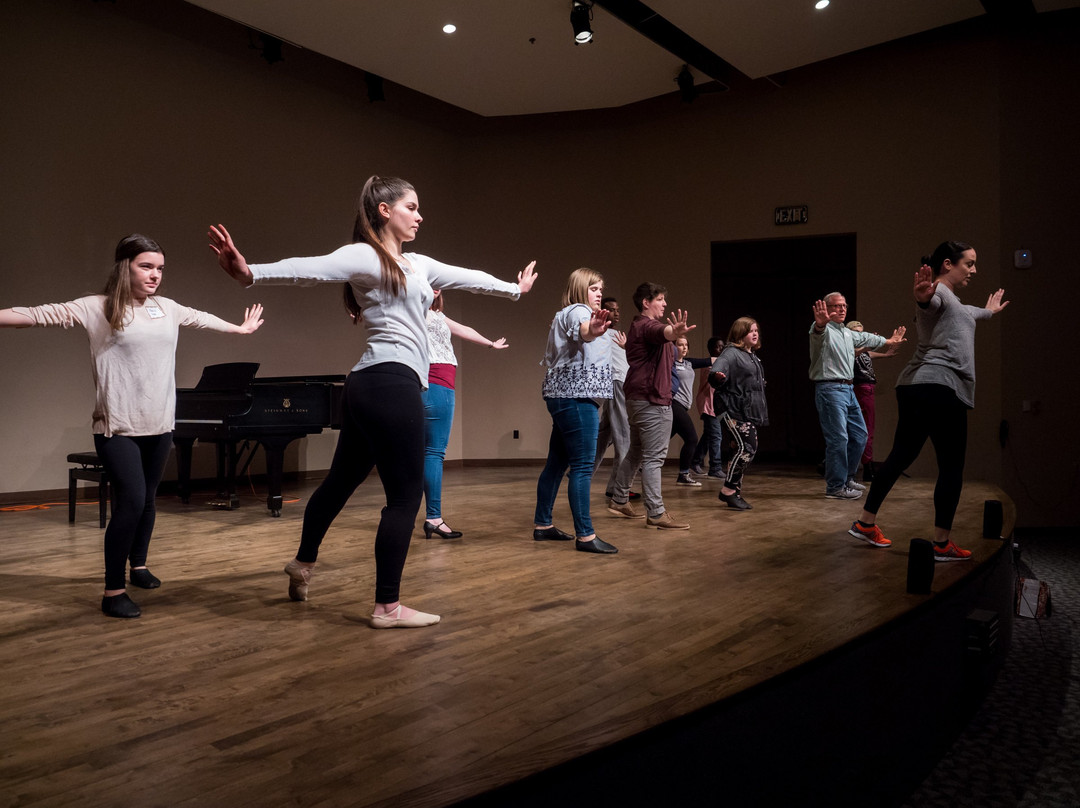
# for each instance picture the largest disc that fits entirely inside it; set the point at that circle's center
(855, 485)
(843, 493)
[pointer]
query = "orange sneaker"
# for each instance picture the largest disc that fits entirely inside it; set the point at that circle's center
(870, 535)
(950, 552)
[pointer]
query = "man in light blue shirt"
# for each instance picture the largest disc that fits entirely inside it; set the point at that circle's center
(832, 367)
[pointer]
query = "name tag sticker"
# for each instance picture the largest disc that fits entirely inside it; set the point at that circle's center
(154, 312)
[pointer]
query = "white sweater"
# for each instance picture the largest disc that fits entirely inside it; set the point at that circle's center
(396, 329)
(134, 369)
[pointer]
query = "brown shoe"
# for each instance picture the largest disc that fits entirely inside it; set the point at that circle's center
(625, 510)
(666, 521)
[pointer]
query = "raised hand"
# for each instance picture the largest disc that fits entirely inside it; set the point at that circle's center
(599, 322)
(500, 343)
(821, 313)
(994, 304)
(527, 277)
(229, 258)
(893, 342)
(619, 338)
(925, 285)
(679, 325)
(252, 319)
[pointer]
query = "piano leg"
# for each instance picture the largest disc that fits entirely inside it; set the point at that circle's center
(275, 462)
(227, 498)
(183, 467)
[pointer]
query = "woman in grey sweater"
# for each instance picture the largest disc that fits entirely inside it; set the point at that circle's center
(934, 393)
(740, 405)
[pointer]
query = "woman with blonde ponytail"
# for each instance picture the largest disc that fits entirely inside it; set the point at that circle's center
(389, 292)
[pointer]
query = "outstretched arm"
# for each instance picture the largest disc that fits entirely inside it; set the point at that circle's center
(9, 318)
(229, 258)
(470, 334)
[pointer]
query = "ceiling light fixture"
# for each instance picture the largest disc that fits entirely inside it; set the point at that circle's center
(820, 4)
(580, 21)
(449, 28)
(685, 80)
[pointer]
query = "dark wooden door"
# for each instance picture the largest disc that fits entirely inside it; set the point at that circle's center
(776, 281)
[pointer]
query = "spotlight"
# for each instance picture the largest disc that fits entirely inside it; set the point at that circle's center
(374, 87)
(270, 48)
(685, 80)
(580, 19)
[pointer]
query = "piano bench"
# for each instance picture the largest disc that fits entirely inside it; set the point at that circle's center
(90, 469)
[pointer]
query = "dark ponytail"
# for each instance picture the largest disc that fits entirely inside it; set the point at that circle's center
(366, 230)
(950, 251)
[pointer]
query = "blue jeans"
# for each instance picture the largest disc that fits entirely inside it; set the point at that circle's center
(711, 444)
(574, 426)
(845, 433)
(438, 418)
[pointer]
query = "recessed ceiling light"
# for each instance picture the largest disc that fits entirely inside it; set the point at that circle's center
(449, 28)
(820, 4)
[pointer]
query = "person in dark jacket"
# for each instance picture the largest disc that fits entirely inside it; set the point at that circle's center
(740, 405)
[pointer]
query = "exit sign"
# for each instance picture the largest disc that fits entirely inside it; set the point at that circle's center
(792, 214)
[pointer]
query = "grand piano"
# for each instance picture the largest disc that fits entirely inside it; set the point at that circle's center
(232, 408)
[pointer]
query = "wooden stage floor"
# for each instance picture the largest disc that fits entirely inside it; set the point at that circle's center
(226, 693)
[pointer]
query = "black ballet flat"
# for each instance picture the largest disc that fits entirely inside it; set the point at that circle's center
(596, 545)
(119, 606)
(551, 534)
(735, 501)
(144, 579)
(437, 532)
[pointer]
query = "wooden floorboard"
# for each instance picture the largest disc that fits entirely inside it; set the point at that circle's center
(225, 692)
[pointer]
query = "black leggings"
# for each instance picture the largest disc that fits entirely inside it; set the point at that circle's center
(683, 426)
(926, 411)
(382, 427)
(135, 464)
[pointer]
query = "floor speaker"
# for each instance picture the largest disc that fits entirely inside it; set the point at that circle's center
(992, 519)
(920, 567)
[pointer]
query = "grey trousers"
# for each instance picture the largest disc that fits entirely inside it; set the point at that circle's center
(650, 434)
(614, 430)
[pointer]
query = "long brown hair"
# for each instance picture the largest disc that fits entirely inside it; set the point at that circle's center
(366, 230)
(118, 288)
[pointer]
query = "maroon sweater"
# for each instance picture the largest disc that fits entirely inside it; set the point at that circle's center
(650, 356)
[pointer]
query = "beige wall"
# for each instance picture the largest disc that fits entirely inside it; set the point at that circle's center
(156, 117)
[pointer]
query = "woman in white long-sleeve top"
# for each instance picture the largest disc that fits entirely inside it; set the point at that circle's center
(439, 407)
(383, 420)
(133, 333)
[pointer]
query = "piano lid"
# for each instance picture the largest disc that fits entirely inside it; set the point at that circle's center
(228, 376)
